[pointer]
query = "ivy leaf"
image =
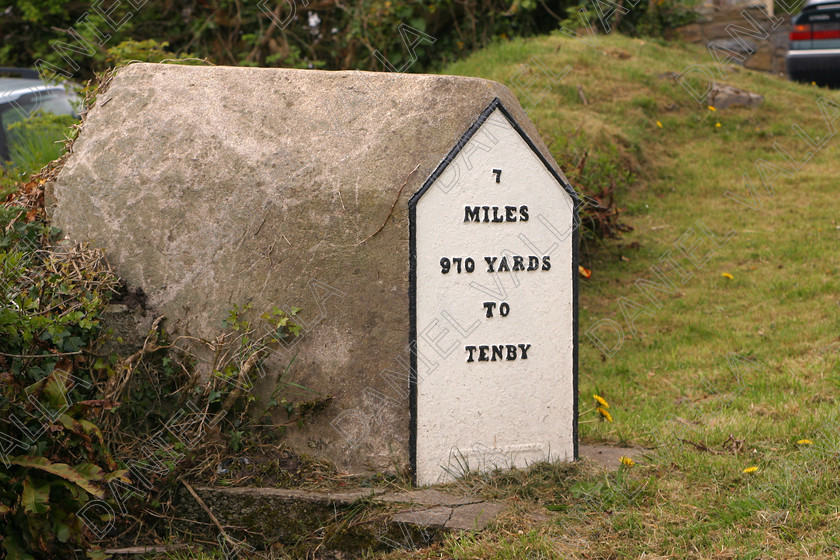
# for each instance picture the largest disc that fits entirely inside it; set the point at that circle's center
(58, 469)
(55, 390)
(121, 475)
(35, 499)
(89, 471)
(81, 426)
(14, 550)
(63, 531)
(97, 554)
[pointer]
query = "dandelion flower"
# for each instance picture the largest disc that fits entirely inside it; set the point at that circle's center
(750, 470)
(804, 442)
(712, 108)
(600, 400)
(659, 124)
(717, 125)
(727, 275)
(607, 416)
(627, 461)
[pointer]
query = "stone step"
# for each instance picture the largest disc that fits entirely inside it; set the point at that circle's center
(353, 521)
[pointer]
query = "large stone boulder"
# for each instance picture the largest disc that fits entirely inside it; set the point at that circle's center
(210, 187)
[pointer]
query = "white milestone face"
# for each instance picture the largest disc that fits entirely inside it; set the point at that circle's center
(494, 310)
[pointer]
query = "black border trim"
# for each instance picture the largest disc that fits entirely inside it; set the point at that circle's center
(412, 281)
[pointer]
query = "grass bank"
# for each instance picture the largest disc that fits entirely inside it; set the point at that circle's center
(730, 362)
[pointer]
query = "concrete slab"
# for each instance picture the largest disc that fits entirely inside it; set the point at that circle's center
(608, 456)
(474, 517)
(428, 497)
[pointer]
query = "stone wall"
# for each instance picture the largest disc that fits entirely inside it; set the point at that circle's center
(767, 55)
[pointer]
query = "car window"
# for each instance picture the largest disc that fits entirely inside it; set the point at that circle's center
(56, 102)
(820, 17)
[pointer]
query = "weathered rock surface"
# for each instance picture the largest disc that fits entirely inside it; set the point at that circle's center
(725, 95)
(210, 187)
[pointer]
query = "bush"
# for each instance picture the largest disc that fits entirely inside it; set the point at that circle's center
(329, 34)
(53, 457)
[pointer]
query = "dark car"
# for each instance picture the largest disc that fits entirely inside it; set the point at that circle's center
(22, 94)
(814, 54)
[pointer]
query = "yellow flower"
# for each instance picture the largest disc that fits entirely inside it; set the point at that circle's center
(813, 83)
(607, 416)
(727, 275)
(750, 470)
(717, 125)
(659, 124)
(712, 108)
(600, 401)
(627, 461)
(804, 442)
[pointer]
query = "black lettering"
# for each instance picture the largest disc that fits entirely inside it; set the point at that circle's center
(486, 211)
(498, 351)
(490, 261)
(498, 173)
(472, 214)
(496, 217)
(518, 263)
(533, 263)
(511, 352)
(470, 349)
(457, 262)
(482, 353)
(523, 211)
(469, 264)
(510, 213)
(546, 262)
(503, 266)
(524, 348)
(504, 309)
(489, 305)
(444, 265)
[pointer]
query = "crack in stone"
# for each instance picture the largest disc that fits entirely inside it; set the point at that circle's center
(468, 504)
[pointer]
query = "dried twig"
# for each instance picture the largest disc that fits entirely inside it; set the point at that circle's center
(116, 385)
(582, 97)
(243, 375)
(208, 512)
(40, 355)
(702, 447)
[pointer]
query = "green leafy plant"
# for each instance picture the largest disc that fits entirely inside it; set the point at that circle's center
(149, 50)
(329, 34)
(54, 457)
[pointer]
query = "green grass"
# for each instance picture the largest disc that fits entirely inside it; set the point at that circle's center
(33, 143)
(742, 367)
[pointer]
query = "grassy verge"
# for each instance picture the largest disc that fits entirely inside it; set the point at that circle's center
(727, 372)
